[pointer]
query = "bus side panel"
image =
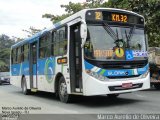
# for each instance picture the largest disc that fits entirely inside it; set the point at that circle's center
(14, 75)
(17, 71)
(46, 74)
(62, 68)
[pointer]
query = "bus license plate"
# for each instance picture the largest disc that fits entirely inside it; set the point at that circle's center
(127, 85)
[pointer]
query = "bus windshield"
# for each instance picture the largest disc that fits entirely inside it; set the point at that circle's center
(101, 44)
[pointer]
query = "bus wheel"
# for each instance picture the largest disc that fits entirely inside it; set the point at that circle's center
(25, 91)
(157, 86)
(62, 91)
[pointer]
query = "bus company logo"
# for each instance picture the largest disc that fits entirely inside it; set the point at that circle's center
(118, 73)
(119, 52)
(126, 73)
(49, 70)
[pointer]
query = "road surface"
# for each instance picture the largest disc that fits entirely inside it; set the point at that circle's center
(141, 102)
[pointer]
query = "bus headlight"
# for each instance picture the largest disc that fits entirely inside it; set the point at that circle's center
(97, 76)
(145, 74)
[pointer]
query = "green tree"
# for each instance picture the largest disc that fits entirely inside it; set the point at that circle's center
(150, 9)
(5, 45)
(72, 8)
(32, 31)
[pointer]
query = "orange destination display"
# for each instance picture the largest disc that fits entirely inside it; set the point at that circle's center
(103, 53)
(119, 18)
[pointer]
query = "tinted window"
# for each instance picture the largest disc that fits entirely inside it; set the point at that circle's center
(59, 43)
(45, 46)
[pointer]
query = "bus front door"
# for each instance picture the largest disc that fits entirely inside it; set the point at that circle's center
(75, 56)
(33, 65)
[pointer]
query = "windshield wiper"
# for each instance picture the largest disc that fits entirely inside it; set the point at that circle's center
(114, 35)
(110, 31)
(131, 32)
(128, 37)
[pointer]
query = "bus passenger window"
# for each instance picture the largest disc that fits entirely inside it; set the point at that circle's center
(59, 42)
(34, 53)
(14, 56)
(19, 55)
(45, 46)
(41, 53)
(26, 55)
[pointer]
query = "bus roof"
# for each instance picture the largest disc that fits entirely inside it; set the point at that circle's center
(80, 14)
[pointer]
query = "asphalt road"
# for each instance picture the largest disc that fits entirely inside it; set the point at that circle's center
(141, 102)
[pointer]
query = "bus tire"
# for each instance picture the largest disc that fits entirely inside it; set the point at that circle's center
(157, 86)
(62, 91)
(25, 91)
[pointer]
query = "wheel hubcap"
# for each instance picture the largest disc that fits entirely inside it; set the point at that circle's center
(63, 89)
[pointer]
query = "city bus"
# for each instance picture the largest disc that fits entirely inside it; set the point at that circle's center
(100, 51)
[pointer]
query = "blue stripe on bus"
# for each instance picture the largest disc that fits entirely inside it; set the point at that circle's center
(118, 72)
(46, 66)
(88, 66)
(143, 70)
(43, 67)
(20, 69)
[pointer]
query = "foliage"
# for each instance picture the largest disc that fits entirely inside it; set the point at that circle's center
(150, 9)
(5, 44)
(72, 8)
(31, 31)
(56, 18)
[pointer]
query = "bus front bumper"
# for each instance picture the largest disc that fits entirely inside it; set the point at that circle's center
(92, 86)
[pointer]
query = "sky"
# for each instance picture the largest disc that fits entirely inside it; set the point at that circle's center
(18, 15)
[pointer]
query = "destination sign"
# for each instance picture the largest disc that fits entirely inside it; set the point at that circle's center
(113, 16)
(119, 18)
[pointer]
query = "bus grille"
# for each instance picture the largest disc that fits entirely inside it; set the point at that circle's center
(118, 88)
(119, 77)
(123, 65)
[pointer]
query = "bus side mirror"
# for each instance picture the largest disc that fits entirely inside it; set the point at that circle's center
(83, 32)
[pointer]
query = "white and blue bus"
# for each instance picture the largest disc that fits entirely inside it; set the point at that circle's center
(93, 52)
